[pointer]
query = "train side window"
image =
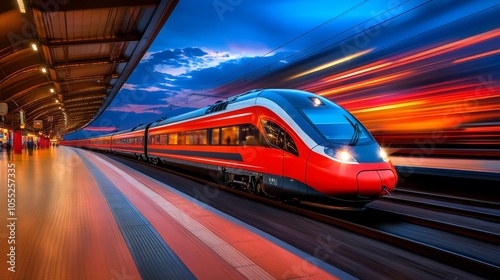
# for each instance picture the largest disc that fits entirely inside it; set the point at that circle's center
(290, 145)
(189, 138)
(251, 136)
(215, 136)
(182, 138)
(200, 137)
(175, 138)
(154, 139)
(279, 138)
(196, 137)
(231, 135)
(163, 139)
(272, 133)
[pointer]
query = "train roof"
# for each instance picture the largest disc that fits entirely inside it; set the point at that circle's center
(294, 97)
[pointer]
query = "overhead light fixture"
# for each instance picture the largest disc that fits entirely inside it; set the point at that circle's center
(57, 101)
(35, 48)
(52, 90)
(22, 9)
(44, 70)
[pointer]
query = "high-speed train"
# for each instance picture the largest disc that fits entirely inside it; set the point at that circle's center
(288, 144)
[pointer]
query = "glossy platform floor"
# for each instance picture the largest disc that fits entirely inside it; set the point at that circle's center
(80, 215)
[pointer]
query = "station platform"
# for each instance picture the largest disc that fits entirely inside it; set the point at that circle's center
(75, 214)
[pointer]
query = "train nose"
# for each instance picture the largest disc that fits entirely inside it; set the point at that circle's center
(370, 183)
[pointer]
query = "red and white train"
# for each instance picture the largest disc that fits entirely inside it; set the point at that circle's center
(285, 143)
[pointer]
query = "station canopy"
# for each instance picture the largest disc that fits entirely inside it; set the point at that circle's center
(62, 62)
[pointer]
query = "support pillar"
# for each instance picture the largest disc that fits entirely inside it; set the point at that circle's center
(18, 142)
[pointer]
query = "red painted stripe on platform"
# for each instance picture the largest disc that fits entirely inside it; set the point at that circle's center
(198, 257)
(256, 252)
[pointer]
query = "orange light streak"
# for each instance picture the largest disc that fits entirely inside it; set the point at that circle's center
(410, 95)
(389, 107)
(477, 56)
(365, 84)
(330, 64)
(362, 71)
(452, 46)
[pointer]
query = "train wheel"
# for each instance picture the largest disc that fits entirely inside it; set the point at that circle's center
(252, 185)
(155, 161)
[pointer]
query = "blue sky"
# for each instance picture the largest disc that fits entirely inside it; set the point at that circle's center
(208, 50)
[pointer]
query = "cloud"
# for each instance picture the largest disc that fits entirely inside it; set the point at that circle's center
(179, 62)
(148, 89)
(189, 98)
(153, 89)
(128, 86)
(190, 77)
(100, 128)
(139, 108)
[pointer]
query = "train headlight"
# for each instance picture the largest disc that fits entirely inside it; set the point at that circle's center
(340, 155)
(383, 155)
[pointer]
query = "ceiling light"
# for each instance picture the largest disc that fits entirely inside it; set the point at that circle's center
(44, 70)
(52, 90)
(21, 6)
(35, 48)
(57, 101)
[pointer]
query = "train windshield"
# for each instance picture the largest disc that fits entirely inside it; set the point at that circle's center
(338, 126)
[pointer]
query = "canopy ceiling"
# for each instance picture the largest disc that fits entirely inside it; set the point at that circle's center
(85, 51)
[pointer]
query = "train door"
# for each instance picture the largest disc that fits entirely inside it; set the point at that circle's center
(293, 166)
(145, 142)
(292, 169)
(273, 159)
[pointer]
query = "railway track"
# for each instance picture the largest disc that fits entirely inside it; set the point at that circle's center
(450, 198)
(483, 210)
(365, 224)
(368, 223)
(466, 231)
(357, 223)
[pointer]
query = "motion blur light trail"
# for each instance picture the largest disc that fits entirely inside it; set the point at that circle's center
(481, 55)
(331, 64)
(446, 88)
(423, 76)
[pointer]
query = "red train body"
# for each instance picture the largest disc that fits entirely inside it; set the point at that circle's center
(283, 143)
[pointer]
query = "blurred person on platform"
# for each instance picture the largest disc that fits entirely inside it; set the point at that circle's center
(8, 148)
(30, 146)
